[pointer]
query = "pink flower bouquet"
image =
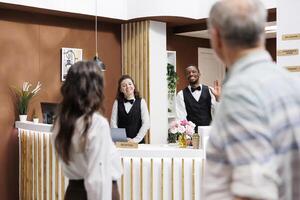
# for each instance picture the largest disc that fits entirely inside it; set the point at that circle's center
(181, 127)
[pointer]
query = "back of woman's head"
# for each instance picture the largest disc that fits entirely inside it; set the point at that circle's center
(83, 89)
(82, 94)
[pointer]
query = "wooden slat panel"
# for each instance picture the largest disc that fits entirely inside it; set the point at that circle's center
(141, 63)
(132, 47)
(172, 179)
(35, 165)
(135, 53)
(182, 178)
(122, 180)
(146, 68)
(25, 166)
(124, 49)
(141, 179)
(30, 162)
(129, 48)
(22, 171)
(50, 171)
(45, 163)
(56, 177)
(193, 179)
(131, 179)
(137, 66)
(152, 177)
(162, 179)
(63, 189)
(40, 148)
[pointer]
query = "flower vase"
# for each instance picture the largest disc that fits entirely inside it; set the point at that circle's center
(182, 141)
(23, 118)
(35, 120)
(195, 140)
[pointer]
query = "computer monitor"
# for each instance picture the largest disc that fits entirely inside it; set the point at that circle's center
(48, 110)
(118, 134)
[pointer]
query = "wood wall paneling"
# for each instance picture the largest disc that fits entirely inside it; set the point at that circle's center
(30, 51)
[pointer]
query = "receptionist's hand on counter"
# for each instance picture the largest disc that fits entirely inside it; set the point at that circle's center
(130, 140)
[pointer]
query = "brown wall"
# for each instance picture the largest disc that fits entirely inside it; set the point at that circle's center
(187, 53)
(30, 47)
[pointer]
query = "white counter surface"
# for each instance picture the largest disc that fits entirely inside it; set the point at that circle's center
(39, 127)
(163, 150)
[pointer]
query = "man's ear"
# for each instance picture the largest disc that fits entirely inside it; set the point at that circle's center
(215, 33)
(217, 42)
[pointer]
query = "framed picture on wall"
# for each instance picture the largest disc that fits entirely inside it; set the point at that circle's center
(69, 56)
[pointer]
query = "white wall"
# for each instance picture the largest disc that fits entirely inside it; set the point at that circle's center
(158, 82)
(116, 9)
(129, 9)
(211, 67)
(191, 9)
(288, 22)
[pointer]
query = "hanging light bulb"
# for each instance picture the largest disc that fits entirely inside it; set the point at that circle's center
(97, 60)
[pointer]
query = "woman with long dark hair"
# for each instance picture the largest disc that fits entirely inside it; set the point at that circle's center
(81, 136)
(130, 111)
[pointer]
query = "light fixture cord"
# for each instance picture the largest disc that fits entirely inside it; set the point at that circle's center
(96, 28)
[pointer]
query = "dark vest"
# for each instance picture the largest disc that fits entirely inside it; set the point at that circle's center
(131, 121)
(199, 112)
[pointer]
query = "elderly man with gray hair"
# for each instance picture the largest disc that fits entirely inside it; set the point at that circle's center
(253, 150)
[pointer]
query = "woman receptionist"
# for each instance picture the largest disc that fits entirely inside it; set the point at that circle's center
(130, 111)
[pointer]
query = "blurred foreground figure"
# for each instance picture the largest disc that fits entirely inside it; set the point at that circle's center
(253, 151)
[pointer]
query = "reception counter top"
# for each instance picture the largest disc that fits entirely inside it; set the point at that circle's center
(149, 172)
(163, 150)
(30, 126)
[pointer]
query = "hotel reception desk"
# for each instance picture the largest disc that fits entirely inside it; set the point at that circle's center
(150, 172)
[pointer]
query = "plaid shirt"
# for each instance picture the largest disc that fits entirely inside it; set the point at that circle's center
(253, 149)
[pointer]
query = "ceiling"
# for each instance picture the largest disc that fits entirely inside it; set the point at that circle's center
(270, 32)
(198, 28)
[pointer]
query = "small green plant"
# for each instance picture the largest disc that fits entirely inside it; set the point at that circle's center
(24, 95)
(172, 79)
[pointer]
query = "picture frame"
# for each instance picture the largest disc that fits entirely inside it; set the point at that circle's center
(69, 56)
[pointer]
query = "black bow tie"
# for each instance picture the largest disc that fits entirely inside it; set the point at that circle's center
(130, 101)
(196, 88)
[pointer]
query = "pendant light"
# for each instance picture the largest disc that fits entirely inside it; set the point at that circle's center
(97, 60)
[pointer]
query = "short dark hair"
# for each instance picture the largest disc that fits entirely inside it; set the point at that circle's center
(194, 67)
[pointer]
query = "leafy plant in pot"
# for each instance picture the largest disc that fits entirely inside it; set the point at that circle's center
(24, 96)
(172, 79)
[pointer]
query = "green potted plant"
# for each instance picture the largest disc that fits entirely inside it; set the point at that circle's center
(172, 79)
(24, 96)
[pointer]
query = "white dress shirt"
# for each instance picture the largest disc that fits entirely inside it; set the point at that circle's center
(180, 105)
(98, 163)
(144, 115)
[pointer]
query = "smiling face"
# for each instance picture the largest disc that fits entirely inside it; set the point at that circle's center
(127, 88)
(192, 75)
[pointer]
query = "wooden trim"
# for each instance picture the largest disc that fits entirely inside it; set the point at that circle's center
(162, 179)
(122, 180)
(45, 172)
(141, 179)
(182, 178)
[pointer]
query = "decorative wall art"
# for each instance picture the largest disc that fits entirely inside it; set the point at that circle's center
(69, 56)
